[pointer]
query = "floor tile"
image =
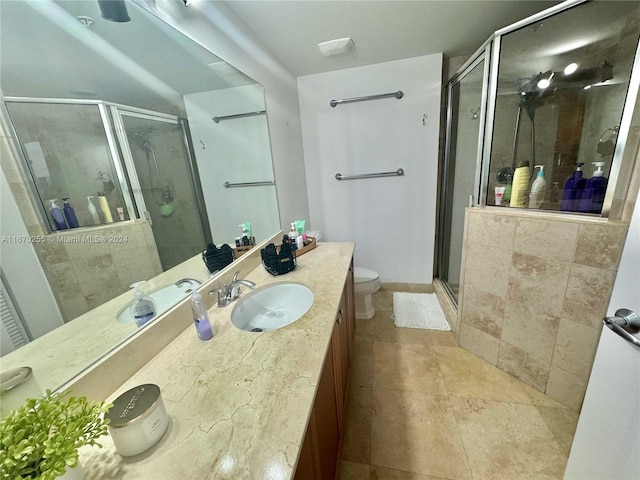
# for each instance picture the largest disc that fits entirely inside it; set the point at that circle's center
(364, 327)
(356, 445)
(406, 367)
(383, 300)
(416, 432)
(466, 375)
(539, 399)
(507, 441)
(442, 339)
(353, 471)
(362, 367)
(381, 473)
(384, 330)
(562, 422)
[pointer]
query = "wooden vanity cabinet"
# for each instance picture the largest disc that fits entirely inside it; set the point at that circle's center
(320, 451)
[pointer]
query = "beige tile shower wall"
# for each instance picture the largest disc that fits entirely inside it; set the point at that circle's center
(535, 290)
(88, 268)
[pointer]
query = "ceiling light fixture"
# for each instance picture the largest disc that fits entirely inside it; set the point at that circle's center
(336, 47)
(571, 68)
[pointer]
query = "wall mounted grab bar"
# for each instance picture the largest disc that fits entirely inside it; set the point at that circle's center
(397, 94)
(238, 115)
(248, 184)
(397, 173)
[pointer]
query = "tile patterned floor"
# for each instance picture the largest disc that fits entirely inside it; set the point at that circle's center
(421, 408)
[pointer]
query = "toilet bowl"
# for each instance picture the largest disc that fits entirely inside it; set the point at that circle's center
(366, 283)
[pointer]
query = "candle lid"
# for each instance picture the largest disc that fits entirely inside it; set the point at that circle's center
(133, 404)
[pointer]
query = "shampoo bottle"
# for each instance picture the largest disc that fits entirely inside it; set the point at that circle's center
(69, 214)
(520, 186)
(594, 191)
(142, 308)
(572, 192)
(58, 217)
(201, 317)
(538, 189)
(104, 206)
(93, 211)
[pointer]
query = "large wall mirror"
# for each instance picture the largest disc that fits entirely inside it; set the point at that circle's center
(159, 147)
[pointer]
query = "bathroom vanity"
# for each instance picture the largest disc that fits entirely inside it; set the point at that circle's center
(245, 405)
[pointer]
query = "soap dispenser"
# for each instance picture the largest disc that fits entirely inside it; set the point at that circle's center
(58, 217)
(142, 308)
(594, 191)
(572, 192)
(201, 317)
(538, 189)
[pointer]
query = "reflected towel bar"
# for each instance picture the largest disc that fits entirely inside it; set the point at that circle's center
(397, 94)
(238, 115)
(248, 184)
(397, 173)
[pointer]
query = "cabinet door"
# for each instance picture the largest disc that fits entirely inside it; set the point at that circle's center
(305, 467)
(340, 342)
(324, 422)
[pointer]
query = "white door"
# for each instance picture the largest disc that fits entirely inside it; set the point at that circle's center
(606, 445)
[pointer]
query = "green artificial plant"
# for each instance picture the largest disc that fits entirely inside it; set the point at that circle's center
(41, 438)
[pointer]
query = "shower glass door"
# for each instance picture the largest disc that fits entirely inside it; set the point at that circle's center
(165, 184)
(461, 169)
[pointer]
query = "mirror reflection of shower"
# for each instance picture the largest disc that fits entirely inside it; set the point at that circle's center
(166, 197)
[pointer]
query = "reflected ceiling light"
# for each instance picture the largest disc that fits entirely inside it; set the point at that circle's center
(545, 80)
(587, 87)
(114, 10)
(336, 47)
(571, 68)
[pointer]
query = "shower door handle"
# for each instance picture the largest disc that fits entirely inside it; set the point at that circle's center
(623, 319)
(147, 217)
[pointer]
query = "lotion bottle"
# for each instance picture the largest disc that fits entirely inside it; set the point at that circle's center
(104, 206)
(538, 189)
(201, 317)
(520, 186)
(93, 211)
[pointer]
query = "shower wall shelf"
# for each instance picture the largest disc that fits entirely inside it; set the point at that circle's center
(238, 115)
(397, 173)
(397, 95)
(248, 184)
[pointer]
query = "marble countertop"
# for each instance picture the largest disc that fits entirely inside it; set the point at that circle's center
(239, 404)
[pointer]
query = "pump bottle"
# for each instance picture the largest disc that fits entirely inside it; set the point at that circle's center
(594, 191)
(538, 189)
(58, 217)
(69, 214)
(142, 308)
(201, 317)
(572, 192)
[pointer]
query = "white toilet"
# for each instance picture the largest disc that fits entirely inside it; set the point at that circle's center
(366, 283)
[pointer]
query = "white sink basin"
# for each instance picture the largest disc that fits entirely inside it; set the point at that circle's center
(164, 298)
(271, 307)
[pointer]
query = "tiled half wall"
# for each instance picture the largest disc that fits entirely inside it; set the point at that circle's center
(535, 289)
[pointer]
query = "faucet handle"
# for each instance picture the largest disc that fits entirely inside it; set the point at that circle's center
(235, 276)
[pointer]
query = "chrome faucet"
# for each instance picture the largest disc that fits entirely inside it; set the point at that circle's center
(191, 281)
(228, 293)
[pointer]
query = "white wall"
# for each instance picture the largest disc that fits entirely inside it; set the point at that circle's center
(236, 151)
(18, 256)
(216, 28)
(392, 220)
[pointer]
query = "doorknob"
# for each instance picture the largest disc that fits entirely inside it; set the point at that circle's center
(625, 318)
(620, 323)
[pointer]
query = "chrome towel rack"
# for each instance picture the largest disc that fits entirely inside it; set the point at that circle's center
(238, 115)
(248, 184)
(397, 94)
(398, 173)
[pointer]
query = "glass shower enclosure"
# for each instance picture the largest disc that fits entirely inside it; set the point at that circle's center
(551, 97)
(130, 164)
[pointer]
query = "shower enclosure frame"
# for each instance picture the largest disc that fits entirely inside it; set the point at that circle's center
(490, 52)
(119, 154)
